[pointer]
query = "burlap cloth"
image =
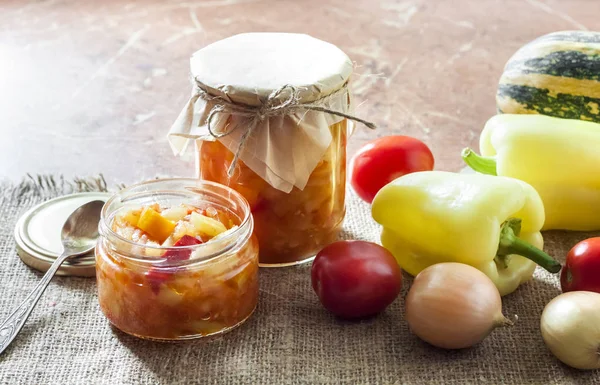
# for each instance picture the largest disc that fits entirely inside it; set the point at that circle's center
(290, 339)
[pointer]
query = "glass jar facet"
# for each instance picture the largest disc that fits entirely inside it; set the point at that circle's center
(147, 295)
(290, 227)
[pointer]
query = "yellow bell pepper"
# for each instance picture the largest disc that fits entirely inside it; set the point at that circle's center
(560, 158)
(489, 222)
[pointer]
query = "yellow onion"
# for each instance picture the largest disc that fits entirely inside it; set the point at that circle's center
(453, 306)
(570, 327)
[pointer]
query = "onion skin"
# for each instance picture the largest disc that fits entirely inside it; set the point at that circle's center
(453, 306)
(570, 327)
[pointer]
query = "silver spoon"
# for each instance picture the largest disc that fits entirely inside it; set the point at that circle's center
(78, 236)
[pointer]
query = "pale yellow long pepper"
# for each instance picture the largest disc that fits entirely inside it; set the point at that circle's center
(560, 158)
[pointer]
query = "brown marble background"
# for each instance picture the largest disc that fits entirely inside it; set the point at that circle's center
(92, 87)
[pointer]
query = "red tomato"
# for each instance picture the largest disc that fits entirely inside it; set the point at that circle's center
(355, 279)
(384, 159)
(581, 271)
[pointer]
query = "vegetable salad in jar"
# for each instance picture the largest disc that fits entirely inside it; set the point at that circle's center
(273, 126)
(177, 260)
(289, 226)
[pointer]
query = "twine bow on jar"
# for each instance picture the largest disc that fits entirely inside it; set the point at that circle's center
(273, 105)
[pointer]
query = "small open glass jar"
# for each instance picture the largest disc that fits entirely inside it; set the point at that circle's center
(212, 289)
(270, 115)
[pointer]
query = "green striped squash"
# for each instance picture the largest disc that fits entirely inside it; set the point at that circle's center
(556, 74)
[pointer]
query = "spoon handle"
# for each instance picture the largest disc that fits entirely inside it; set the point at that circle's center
(13, 324)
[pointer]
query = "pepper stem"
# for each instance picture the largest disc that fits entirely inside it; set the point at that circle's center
(510, 243)
(482, 164)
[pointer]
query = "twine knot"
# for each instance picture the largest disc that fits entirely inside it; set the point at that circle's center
(273, 105)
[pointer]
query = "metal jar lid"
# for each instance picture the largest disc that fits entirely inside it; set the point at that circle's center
(37, 235)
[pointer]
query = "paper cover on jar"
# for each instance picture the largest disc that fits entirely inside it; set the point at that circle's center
(274, 93)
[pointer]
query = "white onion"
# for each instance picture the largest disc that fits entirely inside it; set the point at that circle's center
(453, 306)
(571, 329)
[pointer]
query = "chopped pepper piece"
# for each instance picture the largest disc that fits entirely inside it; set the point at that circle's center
(157, 277)
(157, 226)
(132, 217)
(491, 223)
(184, 254)
(207, 225)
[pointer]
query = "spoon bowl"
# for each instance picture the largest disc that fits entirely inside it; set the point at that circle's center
(80, 231)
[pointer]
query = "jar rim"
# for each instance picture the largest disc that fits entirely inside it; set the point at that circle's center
(107, 231)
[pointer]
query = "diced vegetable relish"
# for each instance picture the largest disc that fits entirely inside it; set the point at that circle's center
(154, 225)
(293, 226)
(166, 301)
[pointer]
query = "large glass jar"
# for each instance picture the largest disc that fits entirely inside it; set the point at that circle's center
(290, 227)
(269, 116)
(179, 291)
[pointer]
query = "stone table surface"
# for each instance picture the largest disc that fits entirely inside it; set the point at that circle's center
(90, 87)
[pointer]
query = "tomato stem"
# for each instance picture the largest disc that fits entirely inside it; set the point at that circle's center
(510, 243)
(482, 164)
